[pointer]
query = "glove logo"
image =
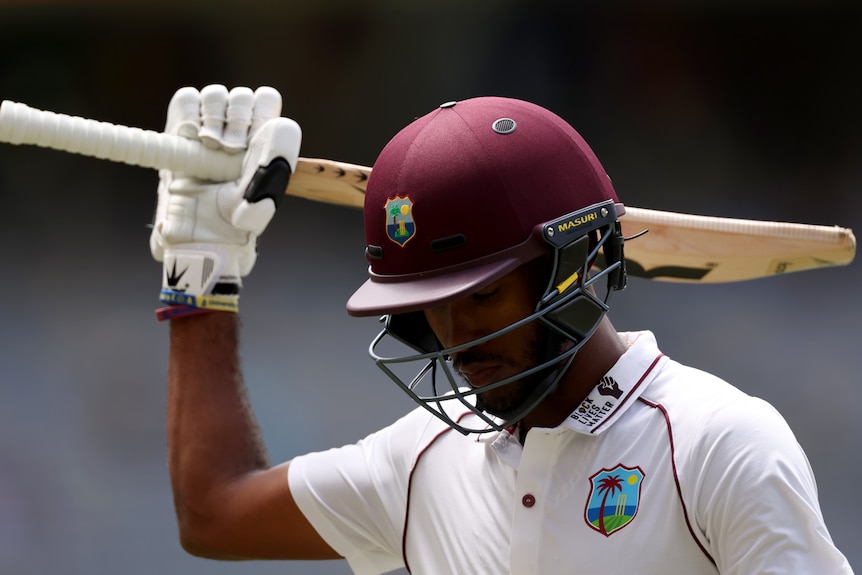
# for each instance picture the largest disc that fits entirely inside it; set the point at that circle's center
(172, 278)
(400, 226)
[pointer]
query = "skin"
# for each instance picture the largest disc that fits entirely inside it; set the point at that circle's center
(232, 504)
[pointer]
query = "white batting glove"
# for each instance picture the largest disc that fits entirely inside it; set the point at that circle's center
(204, 232)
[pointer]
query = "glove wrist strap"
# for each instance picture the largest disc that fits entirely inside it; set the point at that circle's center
(175, 311)
(181, 304)
(213, 302)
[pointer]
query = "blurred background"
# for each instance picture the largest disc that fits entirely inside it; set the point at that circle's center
(740, 108)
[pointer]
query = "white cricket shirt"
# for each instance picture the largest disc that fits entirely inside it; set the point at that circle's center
(662, 469)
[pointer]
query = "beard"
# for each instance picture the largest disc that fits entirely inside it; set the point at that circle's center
(512, 401)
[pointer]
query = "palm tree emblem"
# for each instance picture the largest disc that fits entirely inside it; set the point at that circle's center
(607, 486)
(614, 498)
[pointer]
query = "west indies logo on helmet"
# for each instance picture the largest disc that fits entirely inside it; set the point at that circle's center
(400, 226)
(458, 199)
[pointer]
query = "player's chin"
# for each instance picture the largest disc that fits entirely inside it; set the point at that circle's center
(503, 401)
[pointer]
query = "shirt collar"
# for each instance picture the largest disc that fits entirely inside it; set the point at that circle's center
(620, 387)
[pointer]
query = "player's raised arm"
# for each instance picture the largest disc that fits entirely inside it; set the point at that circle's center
(229, 502)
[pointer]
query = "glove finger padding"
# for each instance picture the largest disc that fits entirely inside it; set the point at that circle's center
(240, 106)
(184, 113)
(213, 114)
(267, 105)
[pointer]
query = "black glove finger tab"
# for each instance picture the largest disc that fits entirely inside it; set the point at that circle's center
(269, 181)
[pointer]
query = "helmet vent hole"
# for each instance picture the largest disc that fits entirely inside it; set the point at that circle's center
(448, 243)
(504, 126)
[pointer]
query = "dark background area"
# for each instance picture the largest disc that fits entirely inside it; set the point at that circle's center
(727, 108)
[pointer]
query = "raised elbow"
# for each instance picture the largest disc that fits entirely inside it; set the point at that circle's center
(194, 545)
(199, 534)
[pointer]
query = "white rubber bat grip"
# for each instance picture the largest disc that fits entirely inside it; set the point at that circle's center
(21, 124)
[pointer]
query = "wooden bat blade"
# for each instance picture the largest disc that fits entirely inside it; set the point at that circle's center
(704, 249)
(677, 247)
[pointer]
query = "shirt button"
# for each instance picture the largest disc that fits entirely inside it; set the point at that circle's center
(528, 500)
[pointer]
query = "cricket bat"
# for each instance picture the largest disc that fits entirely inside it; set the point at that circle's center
(677, 247)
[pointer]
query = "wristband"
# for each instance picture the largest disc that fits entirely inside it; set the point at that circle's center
(175, 311)
(228, 303)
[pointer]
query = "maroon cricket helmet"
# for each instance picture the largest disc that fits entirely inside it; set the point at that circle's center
(457, 199)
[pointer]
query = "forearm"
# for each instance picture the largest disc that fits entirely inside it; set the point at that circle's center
(213, 438)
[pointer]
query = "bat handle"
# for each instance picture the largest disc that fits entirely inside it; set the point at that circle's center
(21, 124)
